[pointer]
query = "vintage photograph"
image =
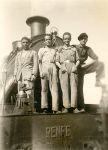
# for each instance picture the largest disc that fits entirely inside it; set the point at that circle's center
(53, 78)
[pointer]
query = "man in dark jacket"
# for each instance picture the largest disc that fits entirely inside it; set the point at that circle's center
(95, 66)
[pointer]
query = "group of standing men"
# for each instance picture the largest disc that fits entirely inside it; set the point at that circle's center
(64, 65)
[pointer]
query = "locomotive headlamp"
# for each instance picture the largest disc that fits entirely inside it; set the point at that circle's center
(54, 32)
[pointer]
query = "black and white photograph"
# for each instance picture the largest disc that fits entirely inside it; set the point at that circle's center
(53, 75)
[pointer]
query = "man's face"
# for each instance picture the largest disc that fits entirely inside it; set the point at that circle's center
(83, 41)
(48, 40)
(66, 39)
(25, 44)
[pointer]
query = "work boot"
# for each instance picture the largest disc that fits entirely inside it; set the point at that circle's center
(76, 111)
(65, 110)
(54, 112)
(59, 112)
(82, 110)
(45, 111)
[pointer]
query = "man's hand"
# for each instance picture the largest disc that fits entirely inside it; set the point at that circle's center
(42, 75)
(74, 69)
(14, 79)
(63, 70)
(33, 77)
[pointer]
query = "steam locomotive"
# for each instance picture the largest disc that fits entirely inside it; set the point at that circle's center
(47, 131)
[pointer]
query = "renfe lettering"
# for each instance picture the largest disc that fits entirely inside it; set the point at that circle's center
(58, 131)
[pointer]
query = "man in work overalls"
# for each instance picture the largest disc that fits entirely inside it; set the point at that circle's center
(67, 61)
(48, 74)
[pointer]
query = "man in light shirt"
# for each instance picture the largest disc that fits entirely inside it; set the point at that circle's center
(48, 74)
(26, 68)
(67, 61)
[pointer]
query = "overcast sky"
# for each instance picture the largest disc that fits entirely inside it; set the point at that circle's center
(74, 16)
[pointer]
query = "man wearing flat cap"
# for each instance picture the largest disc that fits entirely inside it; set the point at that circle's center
(95, 66)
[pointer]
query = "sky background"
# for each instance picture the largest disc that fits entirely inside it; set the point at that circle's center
(74, 16)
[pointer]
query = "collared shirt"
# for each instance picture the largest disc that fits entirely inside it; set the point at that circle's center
(26, 64)
(84, 52)
(67, 53)
(46, 55)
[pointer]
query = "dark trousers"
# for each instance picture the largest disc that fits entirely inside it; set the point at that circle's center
(97, 67)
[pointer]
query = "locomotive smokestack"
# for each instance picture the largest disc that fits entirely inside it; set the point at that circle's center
(38, 25)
